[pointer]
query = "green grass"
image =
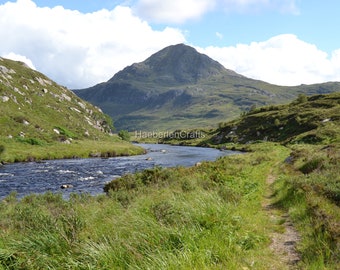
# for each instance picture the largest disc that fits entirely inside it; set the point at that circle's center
(307, 120)
(25, 150)
(316, 120)
(309, 189)
(206, 217)
(40, 119)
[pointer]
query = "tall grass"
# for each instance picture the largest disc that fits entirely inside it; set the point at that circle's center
(206, 217)
(309, 189)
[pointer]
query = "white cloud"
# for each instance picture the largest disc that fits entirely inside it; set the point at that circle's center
(79, 50)
(173, 11)
(76, 49)
(283, 60)
(18, 57)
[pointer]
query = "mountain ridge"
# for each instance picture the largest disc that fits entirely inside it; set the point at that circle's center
(179, 87)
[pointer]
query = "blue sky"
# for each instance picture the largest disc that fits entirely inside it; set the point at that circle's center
(84, 42)
(313, 21)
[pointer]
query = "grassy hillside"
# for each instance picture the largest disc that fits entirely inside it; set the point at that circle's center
(39, 118)
(313, 119)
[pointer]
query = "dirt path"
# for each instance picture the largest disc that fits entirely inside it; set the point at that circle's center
(285, 239)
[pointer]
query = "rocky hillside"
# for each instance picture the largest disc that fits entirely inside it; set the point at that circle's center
(178, 87)
(36, 110)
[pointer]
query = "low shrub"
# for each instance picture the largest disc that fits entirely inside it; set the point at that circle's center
(316, 163)
(65, 132)
(31, 141)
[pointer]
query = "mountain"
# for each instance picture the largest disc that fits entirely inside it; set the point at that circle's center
(178, 87)
(38, 115)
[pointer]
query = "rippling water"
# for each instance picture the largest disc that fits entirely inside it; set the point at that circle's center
(90, 175)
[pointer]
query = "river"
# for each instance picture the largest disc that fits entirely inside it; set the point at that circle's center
(90, 175)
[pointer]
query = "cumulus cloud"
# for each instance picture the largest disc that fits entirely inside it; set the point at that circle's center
(76, 49)
(283, 60)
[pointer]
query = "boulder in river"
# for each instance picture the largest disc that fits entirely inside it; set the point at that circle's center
(66, 186)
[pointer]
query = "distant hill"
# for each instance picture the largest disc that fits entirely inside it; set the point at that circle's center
(314, 119)
(36, 110)
(178, 87)
(308, 119)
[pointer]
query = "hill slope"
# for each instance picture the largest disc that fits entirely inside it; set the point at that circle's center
(178, 87)
(314, 119)
(35, 111)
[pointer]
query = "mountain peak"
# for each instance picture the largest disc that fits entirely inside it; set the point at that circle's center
(175, 64)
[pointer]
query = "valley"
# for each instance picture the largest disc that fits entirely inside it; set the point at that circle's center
(275, 206)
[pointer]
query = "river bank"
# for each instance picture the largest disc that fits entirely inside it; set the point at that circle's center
(15, 151)
(89, 175)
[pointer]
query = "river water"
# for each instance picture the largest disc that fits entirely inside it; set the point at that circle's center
(90, 175)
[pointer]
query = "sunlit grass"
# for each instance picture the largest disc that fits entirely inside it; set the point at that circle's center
(309, 189)
(18, 151)
(206, 217)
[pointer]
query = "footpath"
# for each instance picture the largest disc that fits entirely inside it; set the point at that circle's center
(284, 240)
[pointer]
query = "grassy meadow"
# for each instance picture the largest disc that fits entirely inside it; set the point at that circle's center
(206, 217)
